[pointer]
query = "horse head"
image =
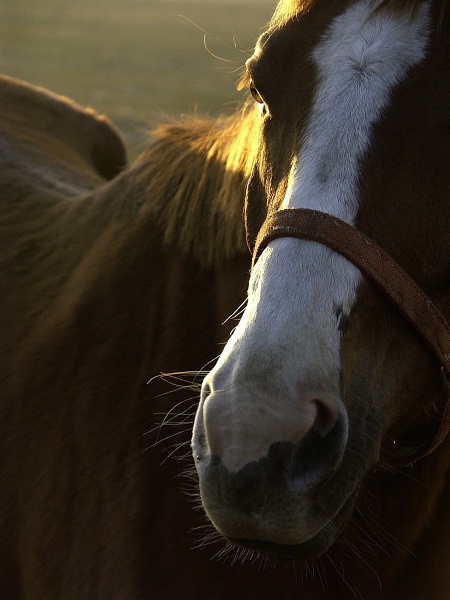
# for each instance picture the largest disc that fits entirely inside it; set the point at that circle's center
(322, 373)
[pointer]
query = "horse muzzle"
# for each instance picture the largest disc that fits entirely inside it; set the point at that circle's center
(287, 496)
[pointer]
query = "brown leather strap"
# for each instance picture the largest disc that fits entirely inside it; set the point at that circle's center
(382, 270)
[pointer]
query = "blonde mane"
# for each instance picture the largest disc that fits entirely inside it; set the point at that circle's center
(194, 176)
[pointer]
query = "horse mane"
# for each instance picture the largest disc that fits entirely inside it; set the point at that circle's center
(194, 177)
(287, 9)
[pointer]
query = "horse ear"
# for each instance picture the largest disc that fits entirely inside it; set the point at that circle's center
(255, 208)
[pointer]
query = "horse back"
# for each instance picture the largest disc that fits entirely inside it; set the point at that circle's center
(53, 155)
(52, 143)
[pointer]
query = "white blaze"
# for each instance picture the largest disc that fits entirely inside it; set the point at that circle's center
(285, 349)
(359, 61)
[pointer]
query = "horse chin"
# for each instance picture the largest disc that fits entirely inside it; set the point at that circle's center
(313, 548)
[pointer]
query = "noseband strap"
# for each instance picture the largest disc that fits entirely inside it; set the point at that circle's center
(384, 272)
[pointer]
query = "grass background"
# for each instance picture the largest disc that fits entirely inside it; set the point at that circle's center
(135, 60)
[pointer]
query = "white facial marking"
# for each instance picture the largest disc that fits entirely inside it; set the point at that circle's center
(359, 61)
(285, 351)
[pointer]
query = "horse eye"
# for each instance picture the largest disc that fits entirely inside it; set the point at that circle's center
(254, 92)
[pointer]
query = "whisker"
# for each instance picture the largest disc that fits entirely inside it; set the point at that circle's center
(237, 45)
(179, 404)
(152, 446)
(179, 379)
(169, 420)
(239, 310)
(176, 448)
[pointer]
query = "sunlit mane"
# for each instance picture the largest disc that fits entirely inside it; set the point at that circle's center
(199, 202)
(286, 9)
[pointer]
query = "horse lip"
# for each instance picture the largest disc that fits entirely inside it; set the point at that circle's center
(313, 548)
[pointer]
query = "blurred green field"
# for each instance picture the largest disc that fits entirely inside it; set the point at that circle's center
(134, 60)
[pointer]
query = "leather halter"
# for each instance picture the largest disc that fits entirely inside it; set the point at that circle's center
(389, 277)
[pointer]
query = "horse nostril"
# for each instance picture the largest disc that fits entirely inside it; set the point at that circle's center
(326, 417)
(320, 452)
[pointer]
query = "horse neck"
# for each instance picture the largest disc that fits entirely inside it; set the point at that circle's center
(139, 240)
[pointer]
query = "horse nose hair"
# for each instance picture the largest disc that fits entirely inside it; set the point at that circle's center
(238, 432)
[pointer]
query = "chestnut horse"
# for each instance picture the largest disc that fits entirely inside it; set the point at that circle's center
(318, 436)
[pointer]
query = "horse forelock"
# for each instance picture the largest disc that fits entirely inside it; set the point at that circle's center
(195, 174)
